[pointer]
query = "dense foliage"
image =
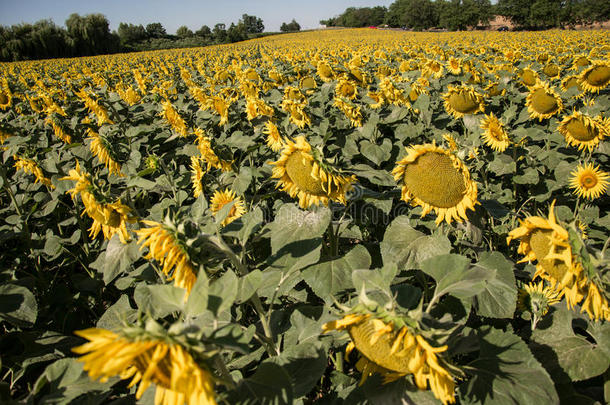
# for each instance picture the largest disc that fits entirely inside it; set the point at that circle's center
(345, 216)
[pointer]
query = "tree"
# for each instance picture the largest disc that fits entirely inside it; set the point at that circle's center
(204, 32)
(236, 33)
(130, 33)
(292, 26)
(90, 34)
(184, 32)
(155, 30)
(220, 33)
(252, 24)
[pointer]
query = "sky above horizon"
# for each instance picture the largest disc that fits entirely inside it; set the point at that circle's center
(173, 14)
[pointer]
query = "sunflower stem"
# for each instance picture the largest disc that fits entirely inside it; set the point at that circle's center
(242, 270)
(222, 367)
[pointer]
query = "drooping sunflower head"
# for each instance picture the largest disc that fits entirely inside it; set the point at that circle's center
(570, 81)
(222, 198)
(596, 77)
(528, 77)
(394, 347)
(325, 72)
(543, 102)
(147, 358)
(588, 181)
(274, 138)
(495, 136)
(547, 242)
(536, 298)
(551, 70)
(582, 131)
(436, 179)
(304, 173)
(463, 100)
(346, 88)
(5, 99)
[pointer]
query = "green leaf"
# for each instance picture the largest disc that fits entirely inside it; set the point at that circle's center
(270, 385)
(197, 302)
(376, 281)
(570, 353)
(67, 383)
(499, 296)
(159, 300)
(328, 278)
(529, 176)
(242, 181)
(305, 364)
(376, 153)
(118, 313)
(506, 373)
(292, 224)
(248, 285)
(18, 305)
(118, 258)
(223, 292)
(408, 247)
(453, 275)
(378, 177)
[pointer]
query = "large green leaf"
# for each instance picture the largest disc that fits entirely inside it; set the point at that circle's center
(305, 364)
(454, 275)
(506, 373)
(408, 247)
(271, 384)
(499, 296)
(563, 351)
(328, 278)
(18, 305)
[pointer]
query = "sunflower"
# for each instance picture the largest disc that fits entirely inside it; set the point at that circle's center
(583, 131)
(95, 108)
(102, 148)
(542, 102)
(551, 70)
(394, 350)
(346, 88)
(303, 173)
(495, 136)
(145, 358)
(274, 139)
(528, 77)
(197, 173)
(462, 100)
(111, 219)
(536, 298)
(165, 246)
(174, 119)
(222, 198)
(569, 82)
(493, 89)
(204, 144)
(30, 166)
(436, 179)
(325, 72)
(58, 128)
(588, 181)
(546, 241)
(454, 66)
(350, 110)
(5, 99)
(596, 77)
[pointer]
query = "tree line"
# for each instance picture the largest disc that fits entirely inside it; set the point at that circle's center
(90, 35)
(463, 14)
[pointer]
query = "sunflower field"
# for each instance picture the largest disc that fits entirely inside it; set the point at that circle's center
(345, 216)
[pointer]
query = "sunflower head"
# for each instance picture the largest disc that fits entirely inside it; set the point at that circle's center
(304, 173)
(222, 198)
(5, 99)
(436, 179)
(528, 77)
(583, 131)
(570, 81)
(544, 240)
(536, 298)
(495, 136)
(596, 77)
(588, 181)
(551, 70)
(542, 102)
(394, 346)
(463, 100)
(148, 357)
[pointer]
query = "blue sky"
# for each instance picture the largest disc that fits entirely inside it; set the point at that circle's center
(174, 13)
